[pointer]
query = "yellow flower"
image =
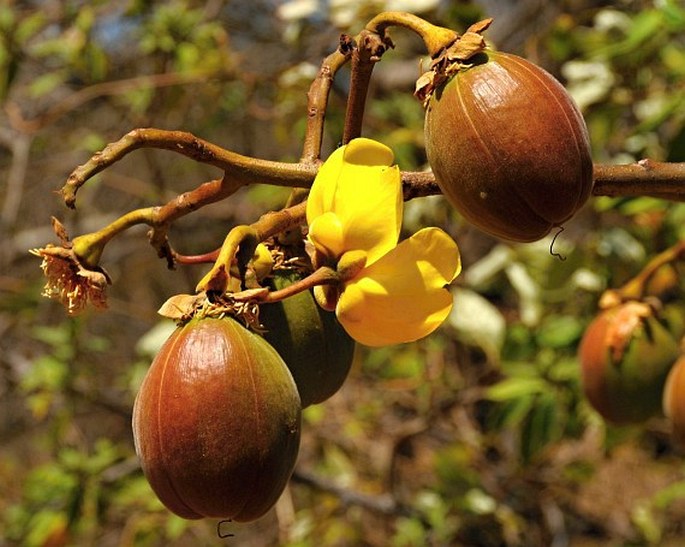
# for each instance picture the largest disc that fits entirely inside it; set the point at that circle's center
(391, 293)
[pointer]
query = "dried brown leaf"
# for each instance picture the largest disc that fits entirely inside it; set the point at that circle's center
(181, 306)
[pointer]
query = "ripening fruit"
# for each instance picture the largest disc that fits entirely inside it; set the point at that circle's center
(216, 422)
(508, 147)
(313, 344)
(625, 355)
(674, 399)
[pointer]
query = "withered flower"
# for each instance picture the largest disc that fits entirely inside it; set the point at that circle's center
(67, 279)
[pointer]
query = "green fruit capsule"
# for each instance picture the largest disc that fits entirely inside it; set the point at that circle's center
(626, 354)
(216, 422)
(313, 344)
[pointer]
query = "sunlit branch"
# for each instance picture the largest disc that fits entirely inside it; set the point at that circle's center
(317, 103)
(643, 178)
(368, 49)
(435, 38)
(247, 169)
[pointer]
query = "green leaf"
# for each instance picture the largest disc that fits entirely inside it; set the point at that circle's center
(513, 412)
(540, 428)
(559, 331)
(29, 26)
(512, 388)
(46, 83)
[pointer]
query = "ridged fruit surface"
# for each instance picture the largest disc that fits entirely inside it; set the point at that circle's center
(313, 344)
(508, 147)
(216, 422)
(625, 355)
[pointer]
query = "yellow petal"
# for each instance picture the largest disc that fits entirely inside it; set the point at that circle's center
(360, 186)
(326, 233)
(320, 199)
(402, 296)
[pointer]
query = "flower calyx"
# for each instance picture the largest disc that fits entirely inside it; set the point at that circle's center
(452, 59)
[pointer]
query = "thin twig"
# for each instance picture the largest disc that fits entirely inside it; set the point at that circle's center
(385, 504)
(250, 170)
(645, 177)
(16, 176)
(275, 222)
(317, 102)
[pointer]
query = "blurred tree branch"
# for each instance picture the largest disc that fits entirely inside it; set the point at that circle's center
(385, 504)
(87, 94)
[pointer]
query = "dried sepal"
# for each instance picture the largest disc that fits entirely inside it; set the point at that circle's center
(181, 307)
(242, 306)
(451, 60)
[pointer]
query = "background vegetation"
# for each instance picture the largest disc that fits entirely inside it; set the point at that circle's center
(478, 435)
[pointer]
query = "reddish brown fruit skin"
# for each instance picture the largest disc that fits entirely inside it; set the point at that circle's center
(674, 399)
(508, 147)
(216, 422)
(625, 356)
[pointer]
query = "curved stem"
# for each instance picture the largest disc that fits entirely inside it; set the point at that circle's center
(635, 288)
(240, 243)
(435, 38)
(321, 276)
(88, 248)
(206, 258)
(245, 168)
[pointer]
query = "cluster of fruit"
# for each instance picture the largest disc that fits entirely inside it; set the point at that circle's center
(217, 419)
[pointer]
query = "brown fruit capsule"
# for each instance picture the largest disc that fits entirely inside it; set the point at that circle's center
(626, 354)
(313, 344)
(508, 147)
(216, 422)
(674, 399)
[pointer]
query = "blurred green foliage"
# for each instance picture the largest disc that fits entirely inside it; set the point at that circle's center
(478, 435)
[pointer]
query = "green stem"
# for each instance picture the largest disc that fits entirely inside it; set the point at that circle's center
(435, 38)
(635, 288)
(275, 222)
(240, 243)
(88, 248)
